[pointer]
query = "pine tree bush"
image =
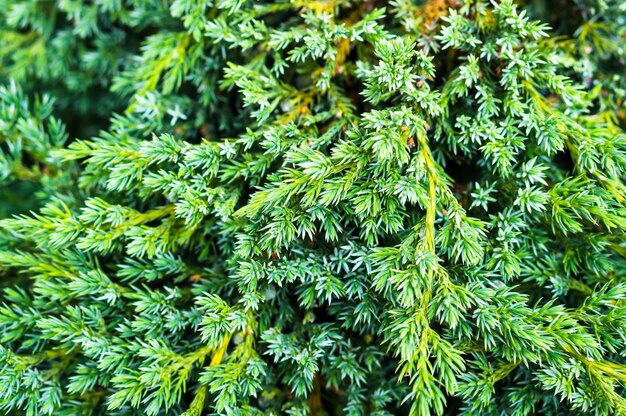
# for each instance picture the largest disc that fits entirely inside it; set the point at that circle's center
(312, 207)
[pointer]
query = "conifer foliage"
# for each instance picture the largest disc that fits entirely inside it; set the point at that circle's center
(324, 207)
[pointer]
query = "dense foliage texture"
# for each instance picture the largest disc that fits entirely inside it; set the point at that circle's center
(312, 207)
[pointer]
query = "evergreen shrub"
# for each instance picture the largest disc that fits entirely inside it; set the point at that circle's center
(312, 207)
